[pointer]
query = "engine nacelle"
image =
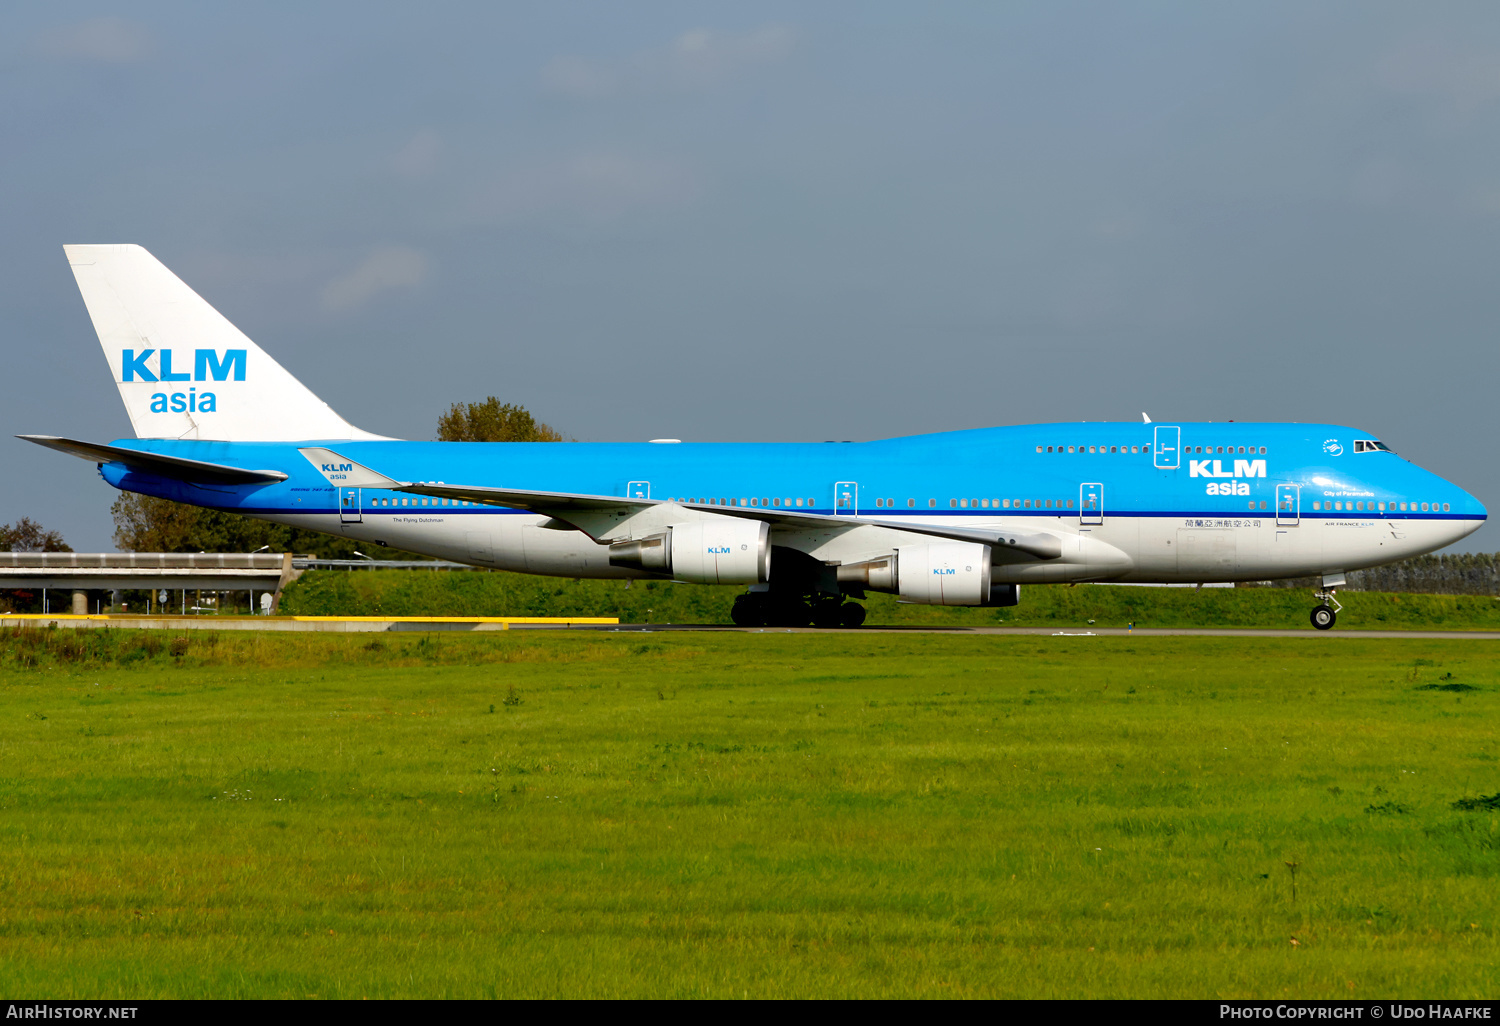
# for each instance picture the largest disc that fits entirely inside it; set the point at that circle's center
(945, 573)
(1004, 595)
(933, 574)
(704, 552)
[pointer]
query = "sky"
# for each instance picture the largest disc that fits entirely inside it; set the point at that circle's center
(771, 222)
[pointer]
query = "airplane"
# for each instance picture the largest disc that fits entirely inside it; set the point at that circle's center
(959, 518)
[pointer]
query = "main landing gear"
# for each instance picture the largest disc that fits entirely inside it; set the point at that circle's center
(1325, 615)
(766, 609)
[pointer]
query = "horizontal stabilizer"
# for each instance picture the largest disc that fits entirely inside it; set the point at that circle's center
(174, 467)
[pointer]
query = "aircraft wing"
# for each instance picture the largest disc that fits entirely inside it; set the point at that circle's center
(174, 467)
(557, 503)
(560, 504)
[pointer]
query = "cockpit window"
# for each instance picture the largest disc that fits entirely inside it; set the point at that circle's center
(1371, 445)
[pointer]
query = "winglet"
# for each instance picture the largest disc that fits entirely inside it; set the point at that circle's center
(344, 472)
(1145, 419)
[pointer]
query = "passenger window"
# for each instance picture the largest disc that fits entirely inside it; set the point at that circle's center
(1146, 449)
(1039, 448)
(1070, 448)
(1092, 448)
(1382, 507)
(952, 503)
(1445, 507)
(1006, 503)
(931, 503)
(1263, 450)
(1135, 448)
(1317, 505)
(984, 503)
(1049, 448)
(1424, 507)
(910, 503)
(799, 502)
(1070, 503)
(1028, 503)
(962, 502)
(1262, 504)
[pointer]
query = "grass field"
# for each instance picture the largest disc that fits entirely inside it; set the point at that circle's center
(420, 593)
(746, 814)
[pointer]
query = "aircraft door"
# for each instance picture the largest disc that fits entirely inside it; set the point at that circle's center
(846, 499)
(349, 511)
(1091, 503)
(638, 489)
(1288, 502)
(1166, 454)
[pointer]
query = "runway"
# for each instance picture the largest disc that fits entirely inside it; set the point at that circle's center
(371, 624)
(1087, 632)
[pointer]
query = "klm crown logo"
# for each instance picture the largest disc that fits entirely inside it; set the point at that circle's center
(207, 366)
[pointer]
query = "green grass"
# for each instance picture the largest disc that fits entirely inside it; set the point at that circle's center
(439, 593)
(746, 814)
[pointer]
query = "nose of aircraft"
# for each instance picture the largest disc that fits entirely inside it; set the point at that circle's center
(1467, 516)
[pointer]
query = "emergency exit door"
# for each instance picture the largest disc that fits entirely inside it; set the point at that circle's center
(1091, 503)
(846, 499)
(349, 512)
(1288, 499)
(1166, 451)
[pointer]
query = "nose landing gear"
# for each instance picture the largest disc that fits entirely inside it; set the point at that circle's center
(1326, 614)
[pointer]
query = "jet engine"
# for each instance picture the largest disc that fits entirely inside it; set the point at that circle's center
(933, 574)
(704, 552)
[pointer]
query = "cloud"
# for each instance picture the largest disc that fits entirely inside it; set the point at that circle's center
(596, 185)
(694, 60)
(99, 40)
(420, 156)
(386, 268)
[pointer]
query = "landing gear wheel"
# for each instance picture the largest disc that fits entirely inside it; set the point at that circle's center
(827, 614)
(1323, 618)
(852, 614)
(748, 612)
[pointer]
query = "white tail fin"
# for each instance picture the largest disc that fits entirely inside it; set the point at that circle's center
(184, 371)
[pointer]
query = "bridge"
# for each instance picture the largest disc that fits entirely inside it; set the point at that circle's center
(79, 573)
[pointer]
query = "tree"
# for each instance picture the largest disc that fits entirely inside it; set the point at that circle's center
(26, 535)
(490, 421)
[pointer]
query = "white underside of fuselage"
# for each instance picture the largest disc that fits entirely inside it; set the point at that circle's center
(1130, 549)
